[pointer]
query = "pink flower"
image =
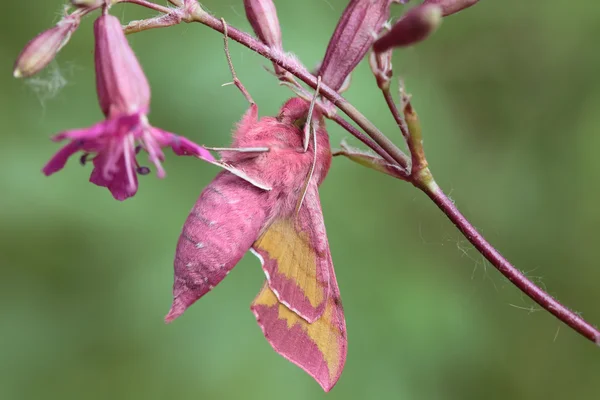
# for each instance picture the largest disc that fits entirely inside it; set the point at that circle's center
(124, 97)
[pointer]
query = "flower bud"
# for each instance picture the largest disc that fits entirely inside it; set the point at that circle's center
(263, 18)
(42, 49)
(451, 6)
(355, 33)
(120, 81)
(413, 27)
(345, 85)
(381, 66)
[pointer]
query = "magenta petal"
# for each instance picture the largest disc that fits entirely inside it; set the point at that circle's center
(117, 182)
(153, 140)
(91, 133)
(185, 147)
(58, 161)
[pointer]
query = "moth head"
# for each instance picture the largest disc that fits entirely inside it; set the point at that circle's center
(294, 112)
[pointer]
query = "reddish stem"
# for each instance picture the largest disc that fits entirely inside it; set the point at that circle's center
(389, 99)
(506, 268)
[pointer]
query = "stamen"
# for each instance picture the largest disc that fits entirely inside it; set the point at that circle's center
(84, 158)
(138, 148)
(142, 170)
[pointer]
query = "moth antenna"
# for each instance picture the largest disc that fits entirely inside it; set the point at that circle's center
(241, 174)
(309, 119)
(308, 127)
(310, 173)
(236, 81)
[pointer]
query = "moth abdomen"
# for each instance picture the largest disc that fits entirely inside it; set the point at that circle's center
(219, 230)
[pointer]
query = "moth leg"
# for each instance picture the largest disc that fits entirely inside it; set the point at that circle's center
(241, 174)
(236, 154)
(236, 81)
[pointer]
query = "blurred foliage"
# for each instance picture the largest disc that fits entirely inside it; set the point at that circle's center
(508, 94)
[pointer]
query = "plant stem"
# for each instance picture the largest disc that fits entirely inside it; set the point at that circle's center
(546, 301)
(389, 99)
(415, 141)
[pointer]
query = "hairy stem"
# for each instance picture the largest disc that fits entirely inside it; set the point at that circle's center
(505, 267)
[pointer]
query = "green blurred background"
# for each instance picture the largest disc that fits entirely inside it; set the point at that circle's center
(508, 93)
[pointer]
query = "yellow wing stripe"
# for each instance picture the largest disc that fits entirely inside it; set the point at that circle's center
(296, 259)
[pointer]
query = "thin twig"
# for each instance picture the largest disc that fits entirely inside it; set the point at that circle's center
(389, 99)
(236, 81)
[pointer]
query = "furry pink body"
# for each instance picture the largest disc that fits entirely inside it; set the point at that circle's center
(220, 229)
(299, 307)
(230, 213)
